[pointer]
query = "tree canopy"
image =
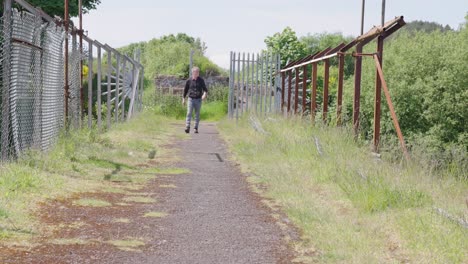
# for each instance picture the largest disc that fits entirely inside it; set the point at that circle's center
(169, 55)
(56, 7)
(287, 45)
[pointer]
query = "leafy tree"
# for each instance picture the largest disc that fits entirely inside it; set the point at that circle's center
(287, 45)
(56, 7)
(169, 55)
(319, 42)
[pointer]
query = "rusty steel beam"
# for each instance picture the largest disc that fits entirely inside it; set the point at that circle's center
(296, 93)
(335, 49)
(357, 90)
(304, 88)
(387, 29)
(313, 96)
(341, 61)
(326, 79)
(378, 95)
(283, 86)
(289, 90)
(391, 108)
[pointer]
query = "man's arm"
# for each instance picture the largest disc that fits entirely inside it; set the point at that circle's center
(187, 85)
(205, 91)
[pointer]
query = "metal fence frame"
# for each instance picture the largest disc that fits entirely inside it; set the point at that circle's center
(254, 83)
(41, 88)
(300, 68)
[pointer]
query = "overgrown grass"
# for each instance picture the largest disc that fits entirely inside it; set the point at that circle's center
(350, 206)
(83, 160)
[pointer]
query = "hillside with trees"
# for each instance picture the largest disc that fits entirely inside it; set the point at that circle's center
(169, 55)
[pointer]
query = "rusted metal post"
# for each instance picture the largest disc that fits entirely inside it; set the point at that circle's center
(283, 86)
(326, 80)
(357, 89)
(390, 106)
(341, 61)
(289, 90)
(304, 88)
(313, 101)
(80, 13)
(296, 91)
(378, 96)
(66, 21)
(362, 16)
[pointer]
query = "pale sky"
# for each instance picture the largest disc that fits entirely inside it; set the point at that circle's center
(242, 25)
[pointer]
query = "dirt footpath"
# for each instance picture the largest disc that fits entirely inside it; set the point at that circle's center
(206, 216)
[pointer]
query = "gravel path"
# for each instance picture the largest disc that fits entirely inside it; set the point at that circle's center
(212, 217)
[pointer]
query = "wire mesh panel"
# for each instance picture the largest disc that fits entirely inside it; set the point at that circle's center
(32, 81)
(52, 104)
(74, 60)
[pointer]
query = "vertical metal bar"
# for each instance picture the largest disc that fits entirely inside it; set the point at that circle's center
(5, 122)
(80, 11)
(124, 95)
(90, 84)
(191, 63)
(378, 96)
(142, 88)
(304, 88)
(109, 88)
(230, 86)
(283, 86)
(253, 84)
(341, 62)
(270, 81)
(313, 101)
(362, 16)
(279, 82)
(383, 12)
(238, 84)
(262, 77)
(289, 89)
(390, 106)
(267, 82)
(99, 70)
(67, 83)
(296, 91)
(117, 88)
(243, 83)
(257, 83)
(326, 81)
(357, 89)
(247, 84)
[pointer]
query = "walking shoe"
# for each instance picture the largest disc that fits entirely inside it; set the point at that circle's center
(187, 130)
(196, 130)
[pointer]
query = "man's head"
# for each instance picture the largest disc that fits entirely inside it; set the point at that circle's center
(195, 72)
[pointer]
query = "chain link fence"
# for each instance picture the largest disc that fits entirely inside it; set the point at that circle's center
(32, 81)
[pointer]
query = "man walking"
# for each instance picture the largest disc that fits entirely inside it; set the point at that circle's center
(196, 89)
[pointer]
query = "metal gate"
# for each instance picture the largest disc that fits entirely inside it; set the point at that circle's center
(254, 83)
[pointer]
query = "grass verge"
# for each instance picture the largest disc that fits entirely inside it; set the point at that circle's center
(82, 161)
(350, 206)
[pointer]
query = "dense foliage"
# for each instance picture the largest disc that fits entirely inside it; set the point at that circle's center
(427, 74)
(56, 7)
(426, 69)
(169, 55)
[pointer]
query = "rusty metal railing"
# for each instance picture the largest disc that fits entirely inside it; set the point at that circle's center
(299, 67)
